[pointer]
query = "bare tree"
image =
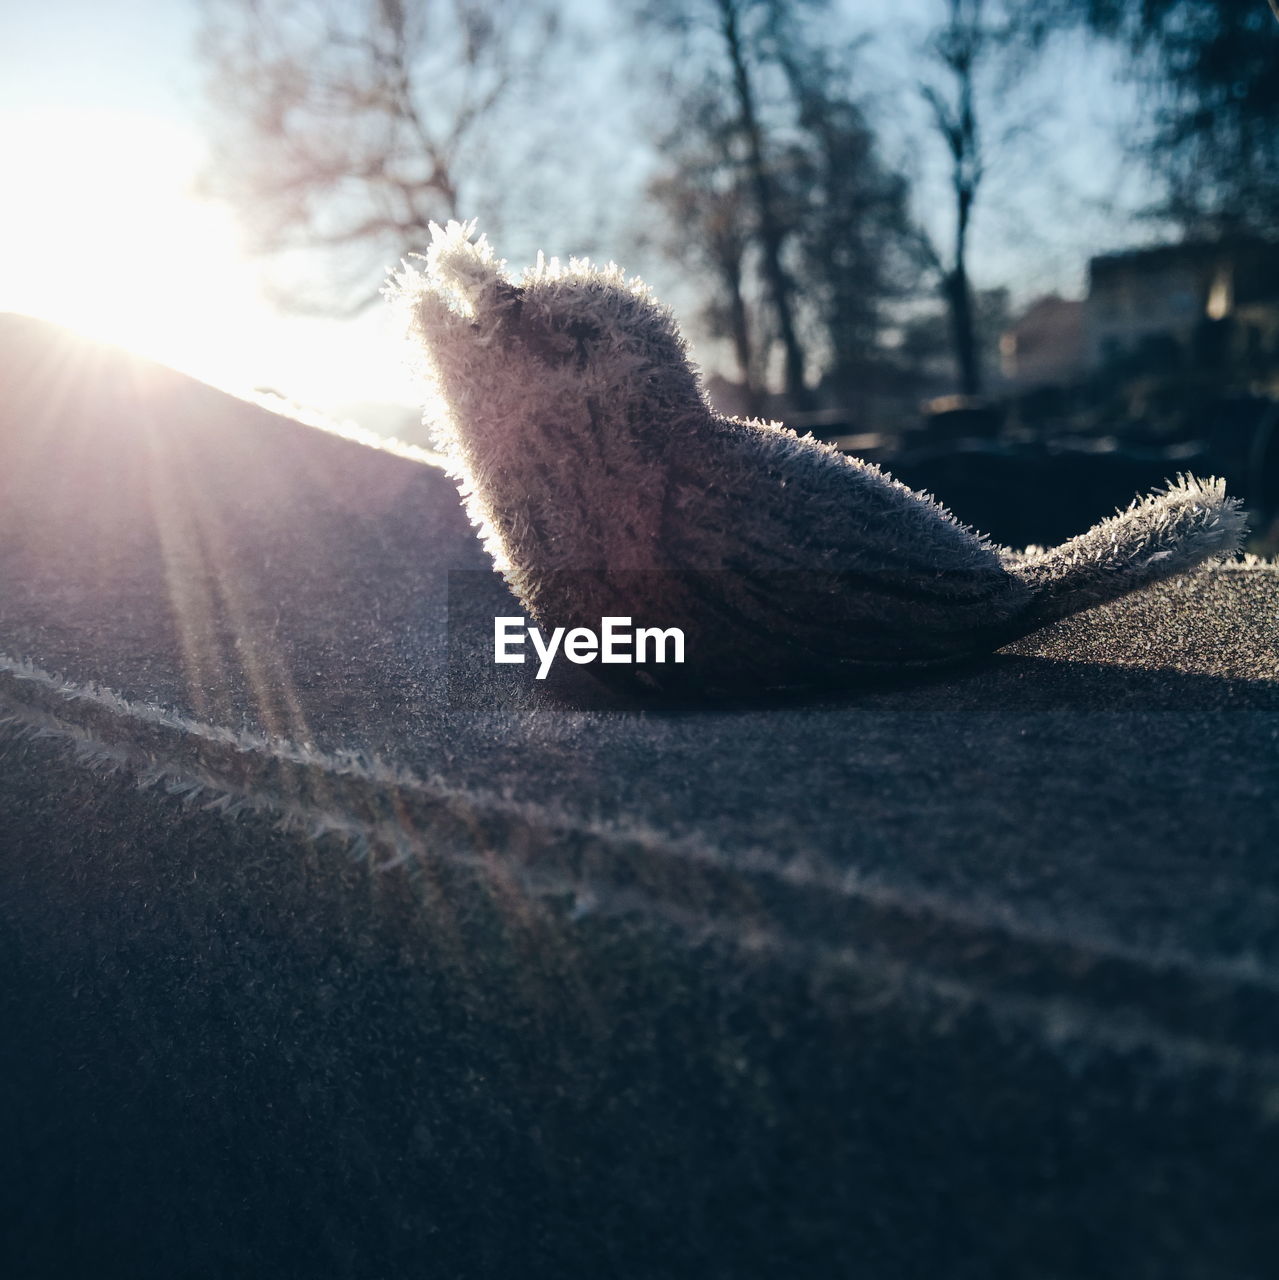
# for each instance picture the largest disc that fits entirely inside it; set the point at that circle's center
(350, 125)
(1209, 71)
(854, 240)
(959, 48)
(826, 233)
(771, 231)
(730, 45)
(710, 228)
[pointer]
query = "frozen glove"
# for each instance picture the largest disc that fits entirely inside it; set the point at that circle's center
(603, 484)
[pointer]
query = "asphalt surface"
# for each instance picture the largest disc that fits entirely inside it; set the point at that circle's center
(977, 975)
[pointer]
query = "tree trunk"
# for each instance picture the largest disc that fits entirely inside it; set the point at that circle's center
(740, 326)
(963, 330)
(771, 234)
(959, 295)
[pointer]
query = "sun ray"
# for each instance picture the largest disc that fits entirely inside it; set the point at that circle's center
(103, 232)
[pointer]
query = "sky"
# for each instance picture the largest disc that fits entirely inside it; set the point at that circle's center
(1058, 190)
(102, 135)
(102, 120)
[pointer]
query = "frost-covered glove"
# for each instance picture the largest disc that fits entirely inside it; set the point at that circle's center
(604, 483)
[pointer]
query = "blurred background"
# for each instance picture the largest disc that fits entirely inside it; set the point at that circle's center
(1024, 255)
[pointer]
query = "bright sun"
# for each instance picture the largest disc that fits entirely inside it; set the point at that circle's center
(100, 231)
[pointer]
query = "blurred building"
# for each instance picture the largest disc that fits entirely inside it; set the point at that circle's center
(1046, 346)
(1165, 302)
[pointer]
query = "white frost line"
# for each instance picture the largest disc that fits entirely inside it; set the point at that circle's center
(348, 429)
(1059, 1024)
(804, 871)
(1248, 561)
